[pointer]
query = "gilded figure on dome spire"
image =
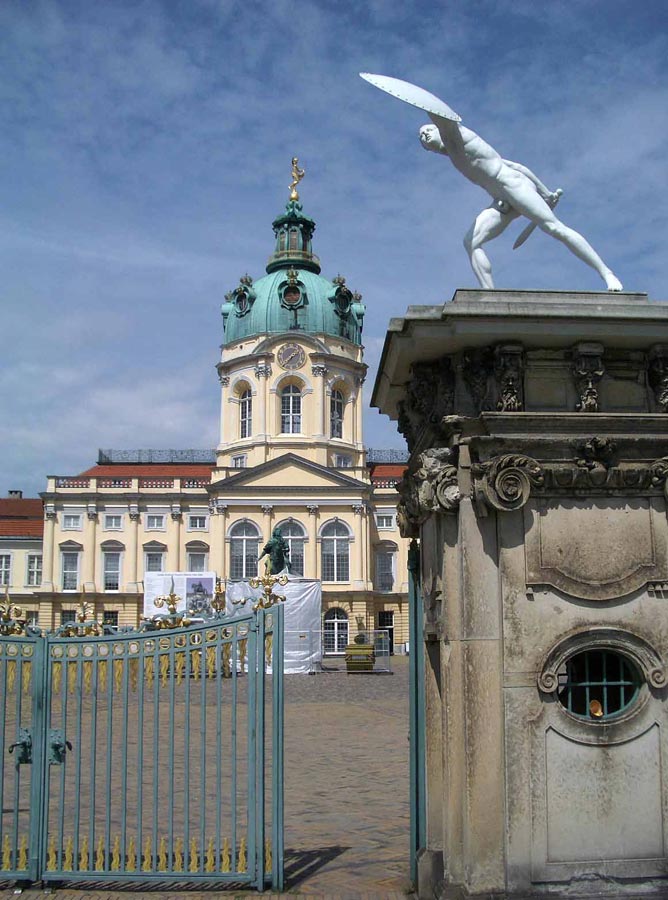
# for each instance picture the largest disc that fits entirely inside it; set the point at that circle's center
(297, 175)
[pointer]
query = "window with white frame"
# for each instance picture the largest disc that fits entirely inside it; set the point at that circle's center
(240, 461)
(153, 561)
(113, 521)
(110, 617)
(294, 535)
(112, 570)
(34, 570)
(336, 415)
(69, 567)
(197, 522)
(197, 561)
(246, 414)
(335, 550)
(72, 521)
(155, 522)
(5, 569)
(291, 410)
(342, 461)
(385, 562)
(384, 519)
(244, 543)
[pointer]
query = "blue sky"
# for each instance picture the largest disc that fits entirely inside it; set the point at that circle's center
(146, 149)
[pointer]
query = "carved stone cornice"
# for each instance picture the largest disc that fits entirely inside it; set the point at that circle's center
(430, 396)
(657, 373)
(506, 481)
(509, 376)
(429, 486)
(588, 369)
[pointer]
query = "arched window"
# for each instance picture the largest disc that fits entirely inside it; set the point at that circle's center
(336, 415)
(244, 542)
(294, 534)
(246, 414)
(335, 552)
(291, 410)
(335, 632)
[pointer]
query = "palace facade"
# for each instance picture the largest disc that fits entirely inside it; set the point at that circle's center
(291, 455)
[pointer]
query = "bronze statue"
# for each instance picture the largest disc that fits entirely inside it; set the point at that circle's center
(278, 551)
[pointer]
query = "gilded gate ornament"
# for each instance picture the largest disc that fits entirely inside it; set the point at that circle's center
(267, 582)
(11, 617)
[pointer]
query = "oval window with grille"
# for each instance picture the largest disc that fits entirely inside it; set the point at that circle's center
(598, 684)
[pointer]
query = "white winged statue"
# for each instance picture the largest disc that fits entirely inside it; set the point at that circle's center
(514, 189)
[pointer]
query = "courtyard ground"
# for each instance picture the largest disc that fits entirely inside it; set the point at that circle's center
(346, 791)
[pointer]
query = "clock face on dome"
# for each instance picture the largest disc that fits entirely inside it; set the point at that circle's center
(291, 356)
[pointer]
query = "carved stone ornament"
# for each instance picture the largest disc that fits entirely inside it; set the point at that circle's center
(588, 369)
(646, 658)
(262, 370)
(477, 366)
(50, 511)
(428, 486)
(505, 482)
(508, 373)
(319, 370)
(430, 396)
(657, 372)
(224, 380)
(432, 606)
(358, 508)
(312, 509)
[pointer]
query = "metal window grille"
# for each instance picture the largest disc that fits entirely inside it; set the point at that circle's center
(291, 410)
(598, 684)
(336, 414)
(70, 570)
(5, 568)
(112, 571)
(246, 415)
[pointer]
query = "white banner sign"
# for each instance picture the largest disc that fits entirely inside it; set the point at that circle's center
(195, 591)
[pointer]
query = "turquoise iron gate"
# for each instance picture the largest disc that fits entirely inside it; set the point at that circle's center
(147, 756)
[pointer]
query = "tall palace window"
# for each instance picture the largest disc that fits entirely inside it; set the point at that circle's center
(336, 414)
(291, 410)
(246, 414)
(335, 552)
(294, 535)
(244, 542)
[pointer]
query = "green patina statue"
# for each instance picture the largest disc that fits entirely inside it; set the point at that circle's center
(277, 550)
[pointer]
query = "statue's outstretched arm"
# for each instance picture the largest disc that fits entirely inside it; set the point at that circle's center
(544, 191)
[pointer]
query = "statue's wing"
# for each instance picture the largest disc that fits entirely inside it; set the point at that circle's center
(411, 93)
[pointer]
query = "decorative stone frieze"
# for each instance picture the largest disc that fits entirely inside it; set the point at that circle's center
(430, 395)
(657, 372)
(588, 369)
(428, 486)
(509, 373)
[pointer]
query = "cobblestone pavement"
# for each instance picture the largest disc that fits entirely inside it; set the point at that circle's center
(346, 792)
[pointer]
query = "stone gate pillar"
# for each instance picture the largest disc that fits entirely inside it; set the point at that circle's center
(537, 486)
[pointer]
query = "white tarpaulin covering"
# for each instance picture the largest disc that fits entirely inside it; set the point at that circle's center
(303, 598)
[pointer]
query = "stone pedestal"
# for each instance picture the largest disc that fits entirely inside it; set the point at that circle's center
(537, 486)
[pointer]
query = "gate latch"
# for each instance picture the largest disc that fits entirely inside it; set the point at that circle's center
(57, 746)
(24, 743)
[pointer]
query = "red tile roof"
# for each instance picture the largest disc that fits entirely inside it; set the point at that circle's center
(21, 518)
(382, 471)
(150, 470)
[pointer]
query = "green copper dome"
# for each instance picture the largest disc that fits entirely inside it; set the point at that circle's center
(293, 295)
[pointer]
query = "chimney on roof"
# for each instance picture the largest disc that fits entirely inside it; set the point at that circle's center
(15, 495)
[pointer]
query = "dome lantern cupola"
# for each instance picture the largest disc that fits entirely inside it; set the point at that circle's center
(294, 232)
